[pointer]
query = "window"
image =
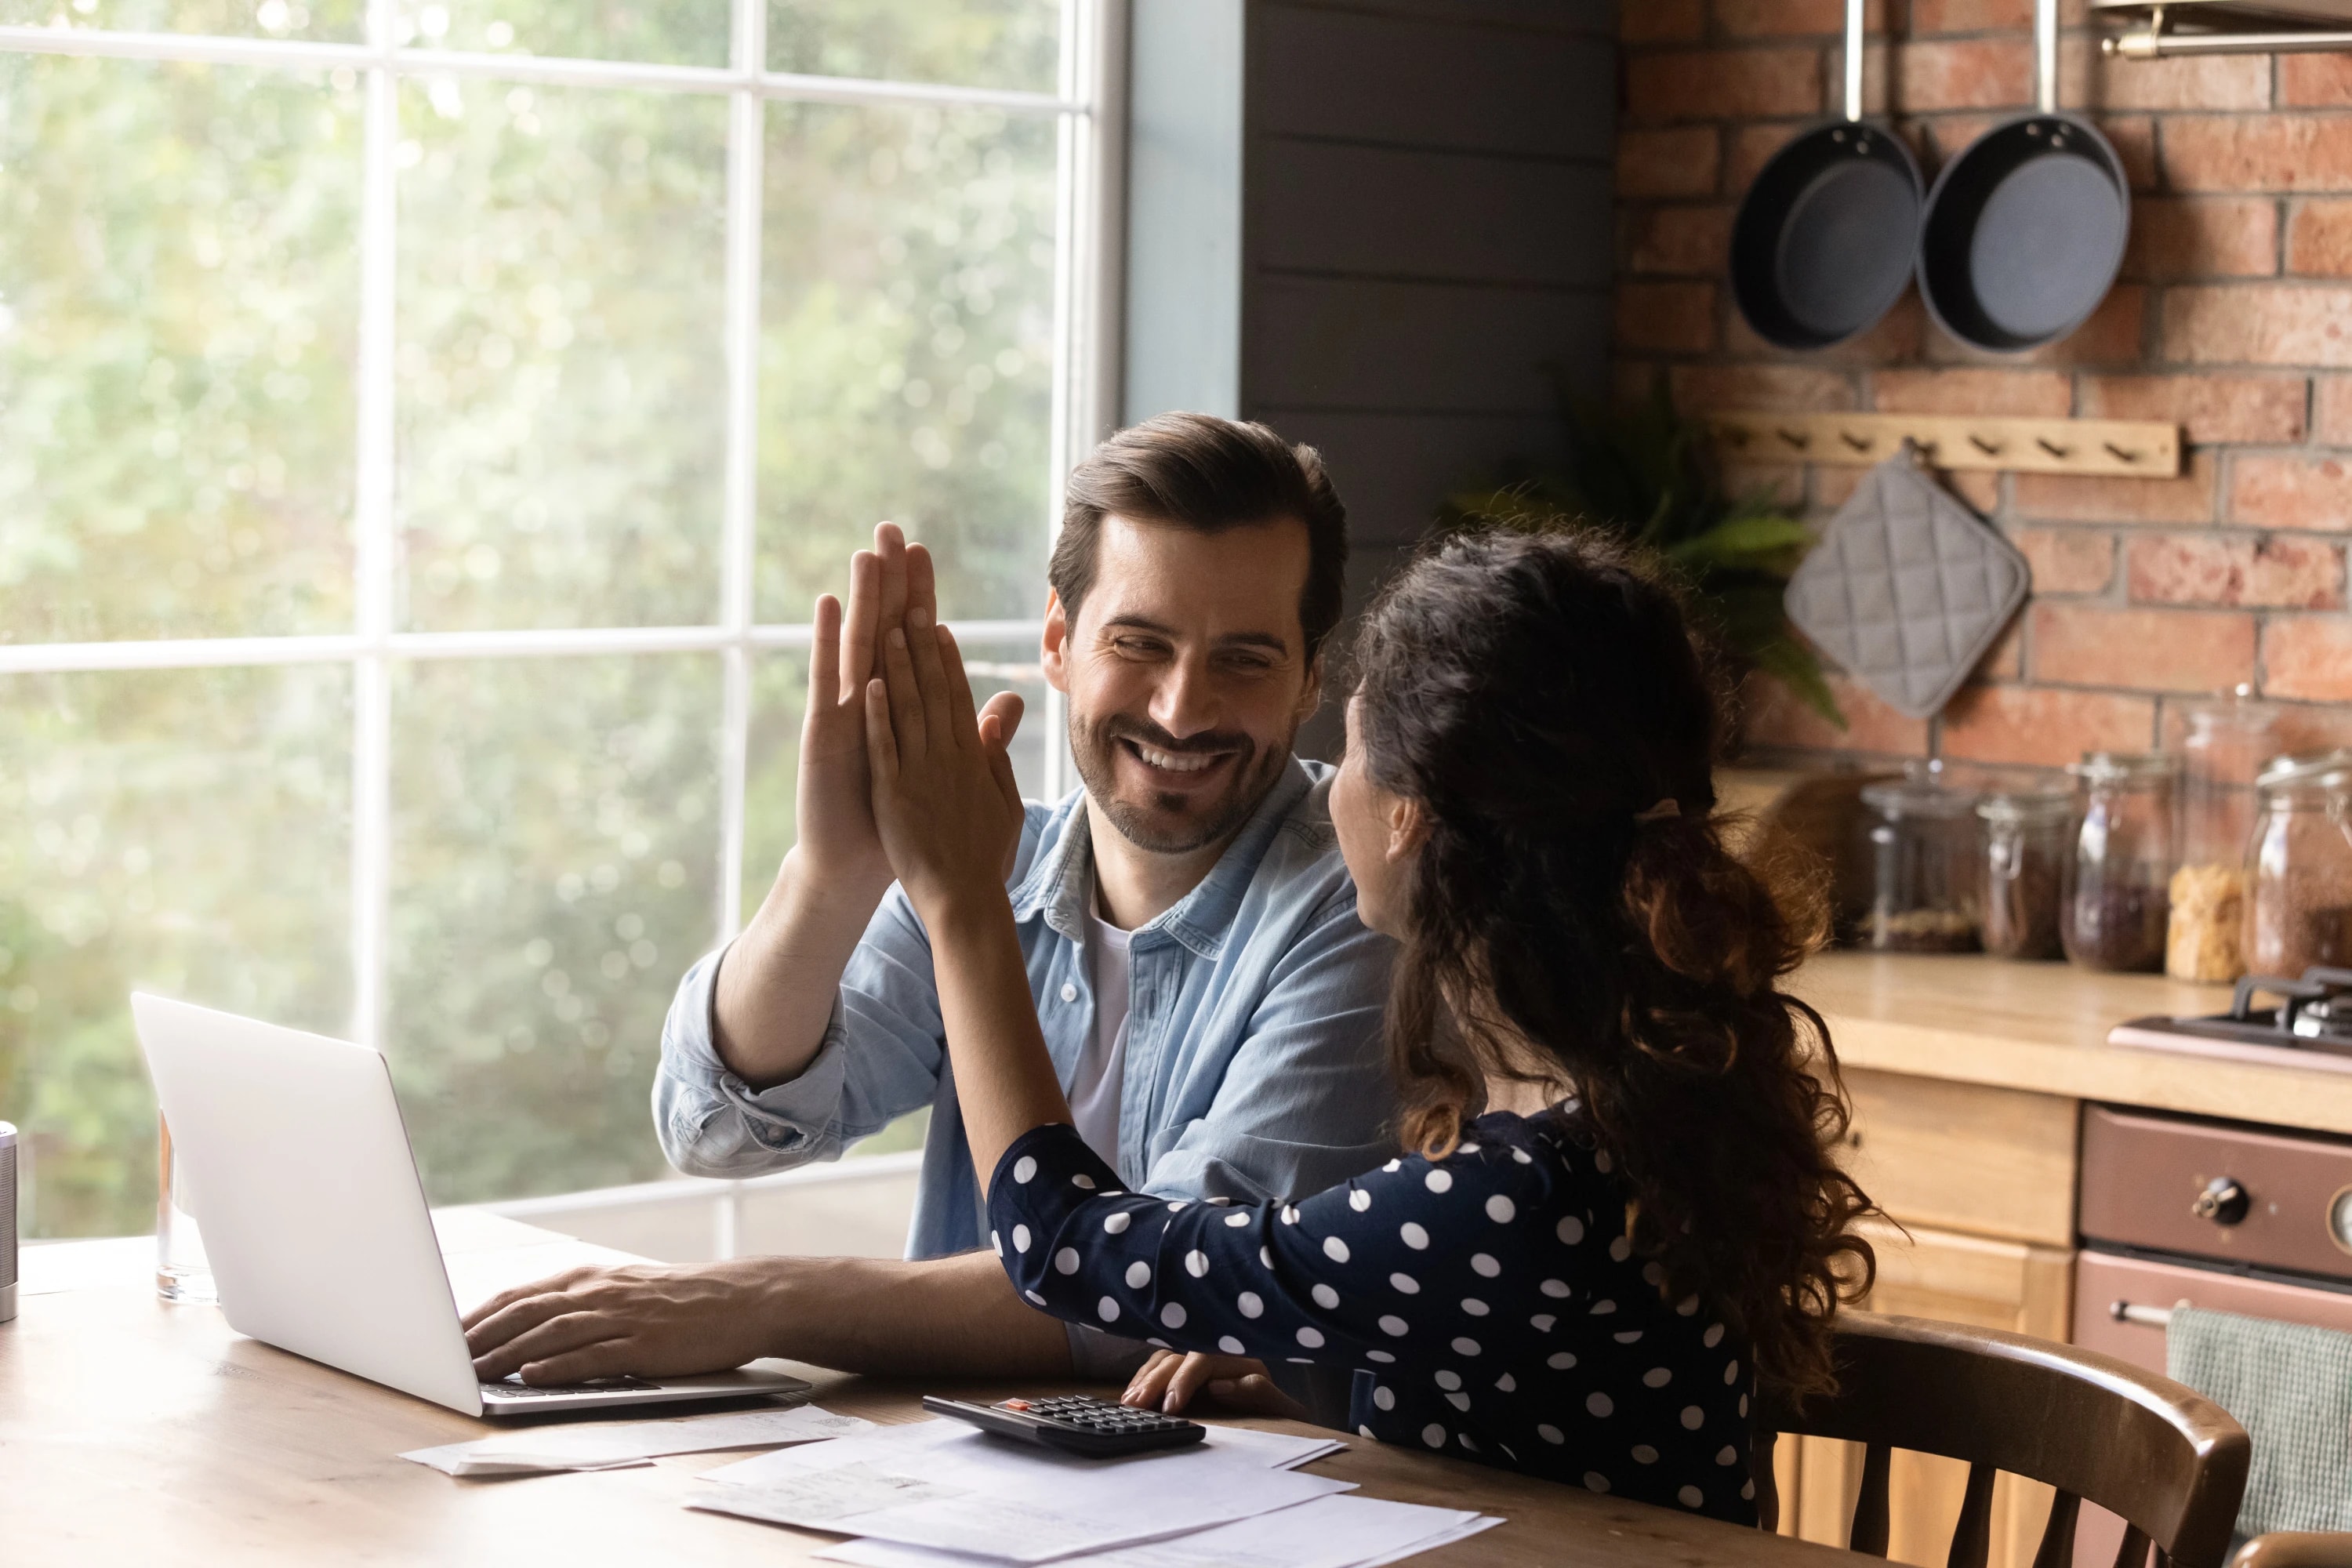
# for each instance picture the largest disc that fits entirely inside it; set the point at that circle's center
(423, 428)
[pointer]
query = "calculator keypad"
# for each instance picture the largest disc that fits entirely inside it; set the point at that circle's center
(1097, 1414)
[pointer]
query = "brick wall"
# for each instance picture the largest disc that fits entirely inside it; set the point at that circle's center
(2232, 316)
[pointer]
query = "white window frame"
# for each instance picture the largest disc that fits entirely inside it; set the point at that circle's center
(1090, 109)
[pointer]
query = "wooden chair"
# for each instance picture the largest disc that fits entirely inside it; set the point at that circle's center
(2170, 1461)
(2296, 1549)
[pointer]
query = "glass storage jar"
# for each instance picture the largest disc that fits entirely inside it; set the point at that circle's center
(2299, 866)
(2118, 879)
(2223, 745)
(1925, 855)
(2027, 836)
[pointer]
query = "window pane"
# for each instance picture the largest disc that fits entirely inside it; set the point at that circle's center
(555, 843)
(178, 301)
(976, 43)
(905, 349)
(337, 21)
(670, 32)
(779, 701)
(560, 361)
(184, 831)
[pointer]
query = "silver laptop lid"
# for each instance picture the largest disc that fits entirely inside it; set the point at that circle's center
(313, 1218)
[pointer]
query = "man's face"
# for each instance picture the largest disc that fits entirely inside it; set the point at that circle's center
(1187, 673)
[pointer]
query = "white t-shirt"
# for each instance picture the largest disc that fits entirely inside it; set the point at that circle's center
(1102, 1064)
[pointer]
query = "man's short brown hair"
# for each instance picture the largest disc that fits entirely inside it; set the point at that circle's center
(1200, 472)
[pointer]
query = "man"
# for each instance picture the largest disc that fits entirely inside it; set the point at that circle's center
(1210, 999)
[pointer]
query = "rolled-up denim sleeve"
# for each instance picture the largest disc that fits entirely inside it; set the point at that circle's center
(879, 1059)
(1307, 1099)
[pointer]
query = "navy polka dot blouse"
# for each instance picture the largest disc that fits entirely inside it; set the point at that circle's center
(1489, 1301)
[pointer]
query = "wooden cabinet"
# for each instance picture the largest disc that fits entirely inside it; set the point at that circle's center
(1953, 1277)
(1965, 1156)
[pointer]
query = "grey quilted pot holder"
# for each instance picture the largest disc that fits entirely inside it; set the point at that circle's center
(1907, 588)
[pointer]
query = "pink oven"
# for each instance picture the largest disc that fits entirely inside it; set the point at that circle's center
(2180, 1211)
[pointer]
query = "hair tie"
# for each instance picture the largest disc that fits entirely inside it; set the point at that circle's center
(1665, 808)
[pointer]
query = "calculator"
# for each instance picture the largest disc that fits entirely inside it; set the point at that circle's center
(1073, 1424)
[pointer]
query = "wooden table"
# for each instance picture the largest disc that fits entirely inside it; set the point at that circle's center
(134, 1432)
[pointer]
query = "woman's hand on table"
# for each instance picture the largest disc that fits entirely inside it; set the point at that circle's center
(1171, 1380)
(945, 800)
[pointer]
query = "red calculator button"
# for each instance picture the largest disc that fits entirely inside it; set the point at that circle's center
(1013, 1405)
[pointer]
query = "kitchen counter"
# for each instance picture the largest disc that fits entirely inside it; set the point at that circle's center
(2042, 1027)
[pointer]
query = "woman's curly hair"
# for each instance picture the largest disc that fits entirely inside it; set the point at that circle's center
(1576, 919)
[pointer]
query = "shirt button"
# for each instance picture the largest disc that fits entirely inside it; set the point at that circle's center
(1069, 992)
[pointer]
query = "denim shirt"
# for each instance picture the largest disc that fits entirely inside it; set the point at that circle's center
(1253, 1065)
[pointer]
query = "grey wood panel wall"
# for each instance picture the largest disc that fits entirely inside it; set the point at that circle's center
(1427, 229)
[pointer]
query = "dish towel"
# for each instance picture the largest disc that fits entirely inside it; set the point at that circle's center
(2291, 1388)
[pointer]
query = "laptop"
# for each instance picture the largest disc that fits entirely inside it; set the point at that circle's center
(315, 1224)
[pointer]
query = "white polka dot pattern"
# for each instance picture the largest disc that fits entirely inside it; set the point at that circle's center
(1516, 1235)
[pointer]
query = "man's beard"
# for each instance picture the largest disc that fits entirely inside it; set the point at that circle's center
(1197, 823)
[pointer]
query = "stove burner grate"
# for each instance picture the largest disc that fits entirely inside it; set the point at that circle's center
(2311, 1020)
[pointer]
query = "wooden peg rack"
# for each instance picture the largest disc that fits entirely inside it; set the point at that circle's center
(2145, 448)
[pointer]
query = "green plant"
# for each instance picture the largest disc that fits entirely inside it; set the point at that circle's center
(1641, 470)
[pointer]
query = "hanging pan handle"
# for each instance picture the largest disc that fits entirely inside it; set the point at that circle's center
(2045, 56)
(1853, 58)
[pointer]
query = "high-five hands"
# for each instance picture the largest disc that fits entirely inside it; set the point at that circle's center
(836, 839)
(945, 804)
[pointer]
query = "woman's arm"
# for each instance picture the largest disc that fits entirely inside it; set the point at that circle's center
(949, 816)
(1406, 1260)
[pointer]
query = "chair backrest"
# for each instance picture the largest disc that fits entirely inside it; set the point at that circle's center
(2170, 1461)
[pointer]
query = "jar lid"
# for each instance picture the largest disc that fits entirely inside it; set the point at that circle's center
(2042, 801)
(2237, 708)
(2126, 767)
(1905, 798)
(2305, 767)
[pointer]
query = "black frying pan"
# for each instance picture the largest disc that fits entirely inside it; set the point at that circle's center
(1824, 240)
(2025, 229)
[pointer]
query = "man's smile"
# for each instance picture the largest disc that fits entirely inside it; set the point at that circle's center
(1176, 769)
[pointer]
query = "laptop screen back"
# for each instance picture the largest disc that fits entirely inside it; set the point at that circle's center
(299, 1175)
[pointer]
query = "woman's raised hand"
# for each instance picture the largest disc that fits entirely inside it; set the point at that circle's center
(945, 802)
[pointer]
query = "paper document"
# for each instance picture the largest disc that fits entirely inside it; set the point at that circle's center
(1279, 1449)
(1329, 1532)
(597, 1448)
(1016, 1504)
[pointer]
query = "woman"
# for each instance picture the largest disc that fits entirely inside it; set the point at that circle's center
(1588, 1280)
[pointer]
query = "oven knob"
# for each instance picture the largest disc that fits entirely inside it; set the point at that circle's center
(2223, 1202)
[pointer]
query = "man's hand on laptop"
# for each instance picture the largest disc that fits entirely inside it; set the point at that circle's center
(649, 1319)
